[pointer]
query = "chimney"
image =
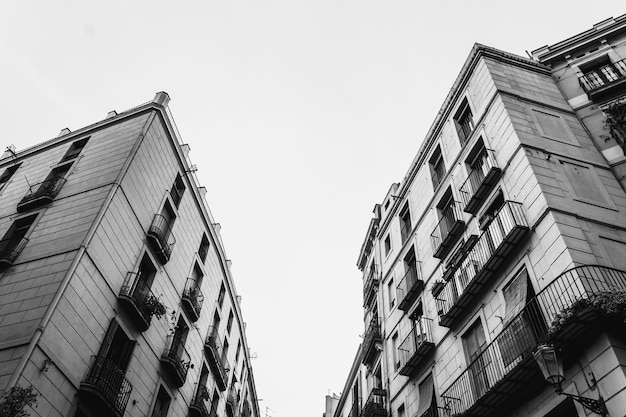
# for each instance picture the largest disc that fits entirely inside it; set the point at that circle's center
(161, 98)
(64, 132)
(112, 113)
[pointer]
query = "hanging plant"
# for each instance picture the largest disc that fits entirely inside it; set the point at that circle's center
(155, 307)
(609, 303)
(15, 399)
(437, 286)
(615, 123)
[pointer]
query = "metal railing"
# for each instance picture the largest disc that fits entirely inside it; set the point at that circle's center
(161, 229)
(11, 247)
(449, 217)
(372, 280)
(200, 399)
(371, 335)
(193, 294)
(475, 178)
(213, 341)
(410, 279)
(375, 404)
(519, 338)
(508, 217)
(420, 333)
(177, 354)
(48, 188)
(602, 76)
(105, 376)
(136, 288)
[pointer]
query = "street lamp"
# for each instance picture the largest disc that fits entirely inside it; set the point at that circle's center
(552, 369)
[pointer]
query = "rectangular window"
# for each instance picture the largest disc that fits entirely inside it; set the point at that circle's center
(388, 244)
(14, 241)
(177, 191)
(203, 250)
(229, 323)
(74, 150)
(162, 404)
(391, 294)
(394, 352)
(220, 297)
(437, 167)
(6, 175)
(475, 342)
(464, 121)
(405, 223)
(238, 351)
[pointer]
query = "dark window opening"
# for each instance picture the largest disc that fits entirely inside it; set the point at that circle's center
(74, 150)
(464, 121)
(6, 175)
(405, 223)
(162, 404)
(437, 167)
(203, 250)
(177, 191)
(220, 297)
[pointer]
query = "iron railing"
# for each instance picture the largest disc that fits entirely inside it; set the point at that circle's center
(219, 359)
(161, 230)
(420, 333)
(200, 399)
(509, 217)
(45, 189)
(108, 379)
(137, 289)
(370, 284)
(602, 76)
(193, 295)
(407, 287)
(375, 404)
(177, 355)
(449, 218)
(11, 247)
(531, 327)
(372, 335)
(476, 177)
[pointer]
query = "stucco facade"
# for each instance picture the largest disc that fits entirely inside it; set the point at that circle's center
(102, 226)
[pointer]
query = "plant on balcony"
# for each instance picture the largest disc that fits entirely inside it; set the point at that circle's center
(615, 123)
(437, 286)
(15, 399)
(608, 303)
(155, 307)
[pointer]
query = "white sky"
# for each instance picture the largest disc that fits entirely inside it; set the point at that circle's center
(299, 114)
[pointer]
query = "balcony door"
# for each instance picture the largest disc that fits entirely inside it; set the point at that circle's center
(116, 348)
(475, 343)
(491, 219)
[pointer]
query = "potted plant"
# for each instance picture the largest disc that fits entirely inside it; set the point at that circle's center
(154, 306)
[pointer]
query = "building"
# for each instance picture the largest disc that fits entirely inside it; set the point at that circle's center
(504, 242)
(116, 296)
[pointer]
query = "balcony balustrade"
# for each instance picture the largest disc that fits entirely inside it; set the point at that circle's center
(41, 194)
(217, 362)
(479, 182)
(491, 249)
(231, 401)
(504, 372)
(450, 227)
(10, 249)
(369, 289)
(597, 82)
(176, 360)
(416, 346)
(198, 406)
(137, 298)
(192, 299)
(409, 288)
(372, 339)
(375, 404)
(105, 389)
(160, 238)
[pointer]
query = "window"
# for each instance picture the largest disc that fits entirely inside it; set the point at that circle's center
(220, 297)
(214, 402)
(6, 176)
(74, 150)
(401, 412)
(115, 352)
(464, 121)
(14, 241)
(44, 192)
(391, 294)
(162, 404)
(388, 244)
(426, 396)
(238, 351)
(225, 347)
(437, 167)
(394, 352)
(203, 250)
(475, 342)
(216, 321)
(405, 223)
(229, 323)
(601, 72)
(177, 191)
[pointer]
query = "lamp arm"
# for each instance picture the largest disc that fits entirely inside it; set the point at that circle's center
(595, 406)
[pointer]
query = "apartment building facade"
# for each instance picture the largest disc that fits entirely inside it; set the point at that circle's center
(505, 240)
(116, 297)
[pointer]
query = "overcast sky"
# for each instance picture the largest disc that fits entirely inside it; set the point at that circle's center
(299, 114)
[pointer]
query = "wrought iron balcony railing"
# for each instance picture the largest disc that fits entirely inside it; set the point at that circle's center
(136, 296)
(375, 406)
(409, 287)
(500, 374)
(373, 337)
(160, 238)
(369, 289)
(450, 226)
(176, 360)
(505, 231)
(198, 406)
(41, 194)
(105, 387)
(597, 81)
(192, 299)
(217, 361)
(10, 249)
(479, 181)
(416, 346)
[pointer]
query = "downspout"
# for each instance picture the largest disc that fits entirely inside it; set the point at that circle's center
(81, 251)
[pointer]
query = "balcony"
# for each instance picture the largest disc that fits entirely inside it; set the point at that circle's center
(599, 81)
(409, 288)
(160, 238)
(448, 230)
(192, 299)
(218, 364)
(491, 249)
(416, 346)
(369, 289)
(198, 406)
(105, 390)
(479, 182)
(231, 401)
(138, 300)
(505, 373)
(10, 249)
(176, 360)
(372, 342)
(41, 194)
(375, 404)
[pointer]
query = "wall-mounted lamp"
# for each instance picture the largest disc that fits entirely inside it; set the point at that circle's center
(552, 369)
